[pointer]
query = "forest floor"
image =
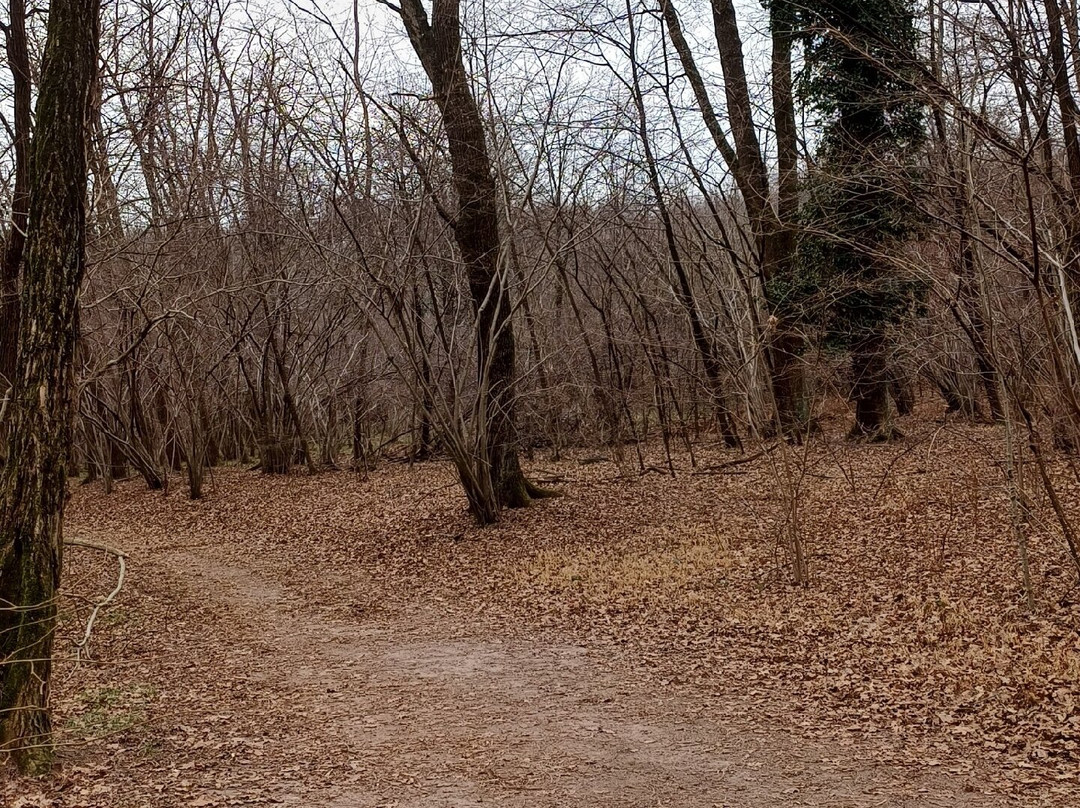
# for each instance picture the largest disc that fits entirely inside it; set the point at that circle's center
(337, 641)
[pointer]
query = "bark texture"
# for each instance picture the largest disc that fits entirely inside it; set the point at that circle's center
(870, 390)
(32, 487)
(19, 63)
(493, 480)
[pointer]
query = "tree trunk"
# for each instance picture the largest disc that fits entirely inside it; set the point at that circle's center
(970, 302)
(291, 410)
(359, 445)
(19, 61)
(772, 229)
(423, 445)
(870, 390)
(328, 450)
(683, 290)
(969, 312)
(33, 483)
(494, 480)
(778, 243)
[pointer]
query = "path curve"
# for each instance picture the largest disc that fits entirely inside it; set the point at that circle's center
(423, 709)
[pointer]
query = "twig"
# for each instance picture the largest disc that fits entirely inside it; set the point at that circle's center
(653, 470)
(121, 559)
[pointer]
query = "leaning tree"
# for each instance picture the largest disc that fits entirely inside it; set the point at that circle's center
(488, 466)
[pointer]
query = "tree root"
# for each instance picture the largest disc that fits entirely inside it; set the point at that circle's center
(534, 491)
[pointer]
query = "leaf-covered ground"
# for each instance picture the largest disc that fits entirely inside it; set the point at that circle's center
(335, 640)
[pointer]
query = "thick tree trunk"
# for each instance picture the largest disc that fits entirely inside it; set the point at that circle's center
(1068, 109)
(495, 480)
(870, 390)
(33, 484)
(778, 236)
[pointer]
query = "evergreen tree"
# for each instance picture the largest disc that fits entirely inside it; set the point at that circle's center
(860, 202)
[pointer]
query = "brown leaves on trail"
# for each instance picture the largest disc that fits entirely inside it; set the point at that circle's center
(913, 632)
(914, 622)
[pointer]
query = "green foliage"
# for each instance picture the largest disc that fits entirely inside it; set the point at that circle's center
(860, 200)
(860, 59)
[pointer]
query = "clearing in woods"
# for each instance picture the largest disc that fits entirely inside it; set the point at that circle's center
(337, 641)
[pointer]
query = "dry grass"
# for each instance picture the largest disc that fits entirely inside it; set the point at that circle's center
(679, 569)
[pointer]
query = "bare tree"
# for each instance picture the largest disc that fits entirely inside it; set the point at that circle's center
(493, 480)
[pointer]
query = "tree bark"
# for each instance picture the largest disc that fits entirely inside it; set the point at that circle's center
(32, 487)
(19, 61)
(870, 390)
(779, 242)
(495, 480)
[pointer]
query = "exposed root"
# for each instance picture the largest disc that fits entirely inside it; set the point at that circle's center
(534, 491)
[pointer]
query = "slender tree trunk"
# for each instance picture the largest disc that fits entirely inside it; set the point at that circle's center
(969, 312)
(683, 290)
(291, 410)
(33, 484)
(142, 438)
(772, 228)
(360, 461)
(19, 61)
(969, 299)
(423, 447)
(328, 453)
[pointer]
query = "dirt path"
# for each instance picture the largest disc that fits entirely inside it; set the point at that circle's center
(293, 702)
(338, 640)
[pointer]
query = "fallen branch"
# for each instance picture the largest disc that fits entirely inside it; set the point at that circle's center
(719, 467)
(656, 470)
(589, 461)
(121, 559)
